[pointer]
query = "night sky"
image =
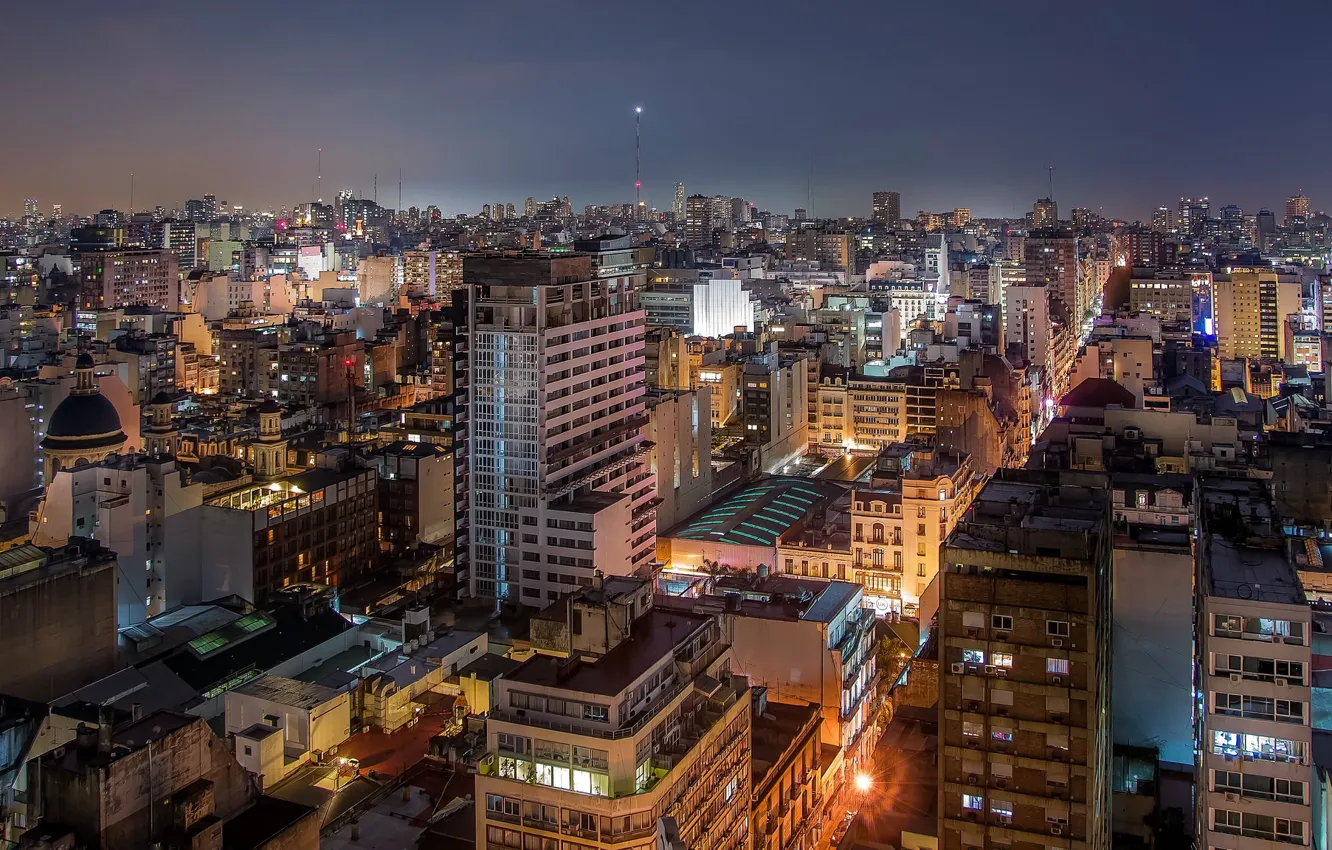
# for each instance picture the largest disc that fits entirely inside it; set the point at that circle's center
(952, 104)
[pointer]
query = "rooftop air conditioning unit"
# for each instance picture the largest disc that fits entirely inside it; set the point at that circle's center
(1056, 642)
(989, 669)
(1236, 677)
(1056, 830)
(1280, 683)
(958, 667)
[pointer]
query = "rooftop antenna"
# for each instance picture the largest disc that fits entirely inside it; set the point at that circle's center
(399, 190)
(638, 145)
(131, 207)
(319, 175)
(376, 190)
(1051, 187)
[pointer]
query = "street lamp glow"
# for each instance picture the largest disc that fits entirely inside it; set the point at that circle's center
(863, 782)
(638, 109)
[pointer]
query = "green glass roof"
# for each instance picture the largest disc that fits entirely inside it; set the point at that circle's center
(759, 514)
(232, 632)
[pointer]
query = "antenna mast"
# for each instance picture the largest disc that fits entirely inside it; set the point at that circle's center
(638, 176)
(319, 176)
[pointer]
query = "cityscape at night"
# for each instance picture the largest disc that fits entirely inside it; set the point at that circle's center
(617, 427)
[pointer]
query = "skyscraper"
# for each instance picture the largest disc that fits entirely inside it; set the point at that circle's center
(209, 207)
(1297, 206)
(560, 487)
(1044, 213)
(678, 208)
(887, 208)
(1265, 230)
(529, 207)
(1193, 215)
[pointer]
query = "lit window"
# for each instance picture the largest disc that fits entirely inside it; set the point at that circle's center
(1002, 659)
(973, 656)
(1057, 666)
(972, 802)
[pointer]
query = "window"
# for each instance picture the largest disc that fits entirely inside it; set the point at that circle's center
(1230, 704)
(973, 656)
(972, 802)
(1056, 666)
(1002, 622)
(973, 620)
(596, 713)
(971, 729)
(1056, 628)
(1003, 736)
(1002, 659)
(1003, 810)
(1227, 625)
(248, 750)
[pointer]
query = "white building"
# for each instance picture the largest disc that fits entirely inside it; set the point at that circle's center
(560, 485)
(311, 719)
(1027, 322)
(720, 306)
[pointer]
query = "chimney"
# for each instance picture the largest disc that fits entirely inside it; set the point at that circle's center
(104, 730)
(136, 711)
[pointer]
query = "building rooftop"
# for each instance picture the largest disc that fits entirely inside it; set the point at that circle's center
(404, 668)
(759, 514)
(288, 692)
(257, 731)
(1235, 571)
(776, 597)
(1035, 514)
(654, 635)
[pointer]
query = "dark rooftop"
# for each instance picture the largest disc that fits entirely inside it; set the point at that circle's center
(654, 636)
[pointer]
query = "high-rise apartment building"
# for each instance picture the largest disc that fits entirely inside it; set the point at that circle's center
(961, 217)
(560, 486)
(887, 208)
(698, 220)
(434, 273)
(627, 714)
(678, 207)
(1051, 257)
(1255, 777)
(1024, 658)
(833, 248)
(1193, 214)
(1045, 213)
(1162, 219)
(110, 279)
(1250, 307)
(1297, 207)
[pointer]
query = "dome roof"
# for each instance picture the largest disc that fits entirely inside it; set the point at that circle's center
(160, 398)
(270, 406)
(84, 421)
(84, 361)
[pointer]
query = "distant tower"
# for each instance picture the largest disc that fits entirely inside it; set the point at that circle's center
(270, 452)
(679, 208)
(638, 177)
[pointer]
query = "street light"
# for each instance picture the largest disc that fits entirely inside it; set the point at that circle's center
(863, 782)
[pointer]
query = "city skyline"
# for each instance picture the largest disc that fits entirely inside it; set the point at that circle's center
(455, 112)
